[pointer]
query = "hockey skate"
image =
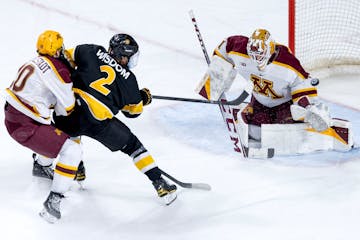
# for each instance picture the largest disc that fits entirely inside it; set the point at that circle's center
(51, 211)
(166, 191)
(42, 171)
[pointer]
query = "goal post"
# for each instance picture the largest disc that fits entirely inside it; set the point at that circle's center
(325, 35)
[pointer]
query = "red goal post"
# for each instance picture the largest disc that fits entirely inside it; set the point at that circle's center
(325, 35)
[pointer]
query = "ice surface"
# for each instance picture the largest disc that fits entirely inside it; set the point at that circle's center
(291, 198)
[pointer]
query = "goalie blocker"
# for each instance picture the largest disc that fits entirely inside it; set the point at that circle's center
(217, 80)
(298, 138)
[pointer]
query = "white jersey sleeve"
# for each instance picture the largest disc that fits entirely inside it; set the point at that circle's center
(65, 99)
(39, 88)
(302, 87)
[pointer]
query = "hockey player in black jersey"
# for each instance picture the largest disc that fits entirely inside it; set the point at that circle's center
(104, 85)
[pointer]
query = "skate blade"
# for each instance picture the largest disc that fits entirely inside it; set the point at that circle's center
(47, 216)
(169, 198)
(42, 177)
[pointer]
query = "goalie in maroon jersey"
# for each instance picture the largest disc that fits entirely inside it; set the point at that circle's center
(282, 91)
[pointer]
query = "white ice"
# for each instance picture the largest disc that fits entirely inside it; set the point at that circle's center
(288, 198)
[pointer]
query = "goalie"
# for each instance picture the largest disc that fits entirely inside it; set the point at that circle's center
(284, 112)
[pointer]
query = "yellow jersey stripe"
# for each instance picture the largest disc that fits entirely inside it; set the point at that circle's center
(32, 110)
(239, 54)
(303, 90)
(54, 69)
(289, 67)
(99, 110)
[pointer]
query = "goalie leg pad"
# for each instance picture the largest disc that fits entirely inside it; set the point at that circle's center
(255, 132)
(242, 126)
(343, 134)
(301, 138)
(252, 149)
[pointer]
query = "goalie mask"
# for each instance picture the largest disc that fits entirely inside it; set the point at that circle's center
(260, 47)
(123, 45)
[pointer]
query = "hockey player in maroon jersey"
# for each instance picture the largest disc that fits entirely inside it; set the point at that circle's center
(105, 85)
(43, 85)
(282, 91)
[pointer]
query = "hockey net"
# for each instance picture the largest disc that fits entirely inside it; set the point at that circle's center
(325, 35)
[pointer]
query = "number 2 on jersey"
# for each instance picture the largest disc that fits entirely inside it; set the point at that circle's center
(98, 85)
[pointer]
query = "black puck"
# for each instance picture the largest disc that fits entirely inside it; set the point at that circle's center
(315, 81)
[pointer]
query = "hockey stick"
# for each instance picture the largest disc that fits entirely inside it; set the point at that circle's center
(228, 113)
(202, 186)
(234, 102)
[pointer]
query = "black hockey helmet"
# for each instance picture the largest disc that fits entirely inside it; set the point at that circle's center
(122, 44)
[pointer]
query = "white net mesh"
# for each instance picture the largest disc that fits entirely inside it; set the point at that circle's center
(327, 35)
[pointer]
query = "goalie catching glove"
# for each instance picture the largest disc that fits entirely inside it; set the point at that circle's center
(146, 96)
(317, 114)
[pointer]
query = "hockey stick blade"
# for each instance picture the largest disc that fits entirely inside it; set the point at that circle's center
(201, 186)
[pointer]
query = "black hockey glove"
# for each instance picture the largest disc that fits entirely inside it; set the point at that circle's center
(146, 96)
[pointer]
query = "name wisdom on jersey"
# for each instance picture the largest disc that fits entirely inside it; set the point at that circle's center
(106, 58)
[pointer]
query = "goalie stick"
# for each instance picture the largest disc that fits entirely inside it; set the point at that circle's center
(234, 102)
(229, 114)
(202, 186)
(226, 111)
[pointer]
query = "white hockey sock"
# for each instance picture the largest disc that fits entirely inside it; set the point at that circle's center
(44, 161)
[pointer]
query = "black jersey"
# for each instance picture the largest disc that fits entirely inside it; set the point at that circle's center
(103, 84)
